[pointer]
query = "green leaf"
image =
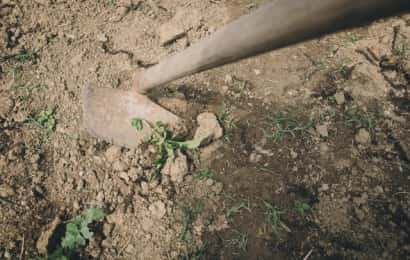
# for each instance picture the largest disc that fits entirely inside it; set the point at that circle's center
(73, 238)
(94, 214)
(137, 123)
(85, 231)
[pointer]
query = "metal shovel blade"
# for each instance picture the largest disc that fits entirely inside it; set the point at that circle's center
(108, 113)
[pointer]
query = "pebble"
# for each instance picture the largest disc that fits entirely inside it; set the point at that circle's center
(157, 209)
(176, 168)
(100, 196)
(322, 130)
(340, 98)
(6, 191)
(255, 157)
(363, 137)
(209, 128)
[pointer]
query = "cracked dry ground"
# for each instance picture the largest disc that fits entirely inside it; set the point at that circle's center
(313, 162)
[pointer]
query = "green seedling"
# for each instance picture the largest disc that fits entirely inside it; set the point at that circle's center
(236, 209)
(353, 37)
(77, 232)
(283, 123)
(225, 118)
(358, 118)
(204, 174)
(167, 144)
(188, 218)
(301, 207)
(274, 215)
(137, 123)
(26, 55)
(240, 240)
(46, 120)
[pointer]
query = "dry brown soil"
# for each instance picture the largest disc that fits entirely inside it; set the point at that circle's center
(343, 155)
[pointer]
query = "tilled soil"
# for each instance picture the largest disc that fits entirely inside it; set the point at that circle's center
(314, 162)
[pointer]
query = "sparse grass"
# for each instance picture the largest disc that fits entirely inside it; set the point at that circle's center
(284, 123)
(240, 241)
(301, 207)
(274, 215)
(77, 232)
(23, 56)
(225, 118)
(188, 218)
(359, 118)
(236, 209)
(204, 174)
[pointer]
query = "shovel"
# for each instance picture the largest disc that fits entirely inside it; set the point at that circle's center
(108, 112)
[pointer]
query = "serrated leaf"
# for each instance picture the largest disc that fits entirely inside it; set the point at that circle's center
(94, 214)
(73, 238)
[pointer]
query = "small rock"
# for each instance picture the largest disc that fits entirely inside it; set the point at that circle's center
(6, 191)
(158, 209)
(293, 154)
(322, 130)
(209, 182)
(209, 128)
(363, 137)
(144, 187)
(255, 157)
(6, 105)
(378, 190)
(113, 153)
(257, 72)
(100, 196)
(359, 214)
(217, 188)
(102, 38)
(46, 236)
(324, 149)
(324, 187)
(340, 98)
(176, 168)
(119, 166)
(124, 176)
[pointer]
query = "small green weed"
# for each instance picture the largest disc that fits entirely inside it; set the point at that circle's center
(167, 144)
(76, 234)
(301, 207)
(274, 214)
(236, 209)
(358, 118)
(225, 118)
(188, 218)
(46, 120)
(353, 37)
(204, 174)
(240, 240)
(284, 123)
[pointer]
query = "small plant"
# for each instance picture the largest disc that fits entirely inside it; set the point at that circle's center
(301, 207)
(204, 174)
(274, 214)
(46, 119)
(225, 118)
(237, 209)
(167, 144)
(77, 233)
(358, 118)
(353, 37)
(188, 218)
(284, 123)
(240, 240)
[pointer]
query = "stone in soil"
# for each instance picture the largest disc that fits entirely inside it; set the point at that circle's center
(176, 168)
(363, 137)
(322, 130)
(158, 209)
(209, 128)
(340, 98)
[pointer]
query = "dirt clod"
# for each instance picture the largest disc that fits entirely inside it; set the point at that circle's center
(176, 168)
(363, 137)
(209, 128)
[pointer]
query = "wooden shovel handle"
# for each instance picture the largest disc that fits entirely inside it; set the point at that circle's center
(274, 25)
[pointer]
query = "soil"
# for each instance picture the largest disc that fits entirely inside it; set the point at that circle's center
(314, 162)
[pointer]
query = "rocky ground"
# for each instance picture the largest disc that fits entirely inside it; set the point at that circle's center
(308, 150)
